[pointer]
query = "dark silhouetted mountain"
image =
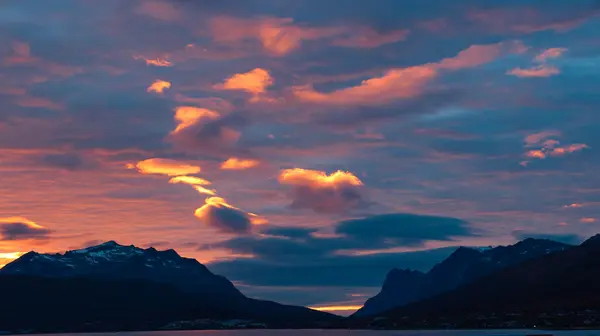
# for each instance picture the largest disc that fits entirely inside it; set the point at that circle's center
(138, 285)
(553, 287)
(461, 267)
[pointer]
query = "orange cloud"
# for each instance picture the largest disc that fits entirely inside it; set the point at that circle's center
(393, 85)
(366, 37)
(234, 163)
(279, 36)
(204, 191)
(559, 151)
(193, 180)
(217, 213)
(160, 10)
(537, 154)
(587, 220)
(159, 86)
(550, 147)
(186, 116)
(159, 62)
(550, 53)
(164, 167)
(538, 71)
(312, 189)
(574, 205)
(254, 82)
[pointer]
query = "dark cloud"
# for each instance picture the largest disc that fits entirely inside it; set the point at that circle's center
(68, 161)
(289, 232)
(405, 229)
(365, 270)
(22, 231)
(370, 233)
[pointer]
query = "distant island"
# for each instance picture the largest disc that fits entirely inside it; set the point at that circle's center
(536, 283)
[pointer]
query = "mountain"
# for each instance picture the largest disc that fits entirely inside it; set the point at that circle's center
(557, 290)
(462, 267)
(112, 286)
(113, 261)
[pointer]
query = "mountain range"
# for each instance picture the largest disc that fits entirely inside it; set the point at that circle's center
(556, 290)
(128, 288)
(403, 286)
(112, 287)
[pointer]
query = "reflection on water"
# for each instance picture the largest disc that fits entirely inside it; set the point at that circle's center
(350, 333)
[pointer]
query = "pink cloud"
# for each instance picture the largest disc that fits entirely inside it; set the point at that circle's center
(393, 85)
(278, 36)
(477, 55)
(367, 37)
(536, 138)
(160, 10)
(550, 53)
(538, 71)
(521, 20)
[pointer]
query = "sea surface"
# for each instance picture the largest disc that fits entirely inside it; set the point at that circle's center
(349, 333)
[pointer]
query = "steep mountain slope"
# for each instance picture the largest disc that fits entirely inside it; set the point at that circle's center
(549, 287)
(461, 267)
(161, 278)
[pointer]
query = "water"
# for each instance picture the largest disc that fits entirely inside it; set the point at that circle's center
(348, 333)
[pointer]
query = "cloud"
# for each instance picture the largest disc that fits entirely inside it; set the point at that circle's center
(395, 84)
(549, 54)
(19, 228)
(160, 10)
(234, 163)
(328, 270)
(405, 229)
(404, 83)
(165, 167)
(537, 71)
(196, 182)
(202, 130)
(67, 161)
(159, 86)
(549, 147)
(254, 81)
(536, 138)
(574, 205)
(159, 62)
(278, 36)
(187, 116)
(218, 214)
(288, 232)
(366, 37)
(192, 180)
(477, 55)
(312, 189)
(587, 220)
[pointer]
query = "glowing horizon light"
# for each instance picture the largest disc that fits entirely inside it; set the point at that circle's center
(336, 308)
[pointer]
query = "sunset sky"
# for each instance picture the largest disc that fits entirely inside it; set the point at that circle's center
(301, 148)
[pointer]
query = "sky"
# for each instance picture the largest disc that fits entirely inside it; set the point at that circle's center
(300, 148)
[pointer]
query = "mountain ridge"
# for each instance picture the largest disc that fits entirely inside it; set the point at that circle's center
(464, 265)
